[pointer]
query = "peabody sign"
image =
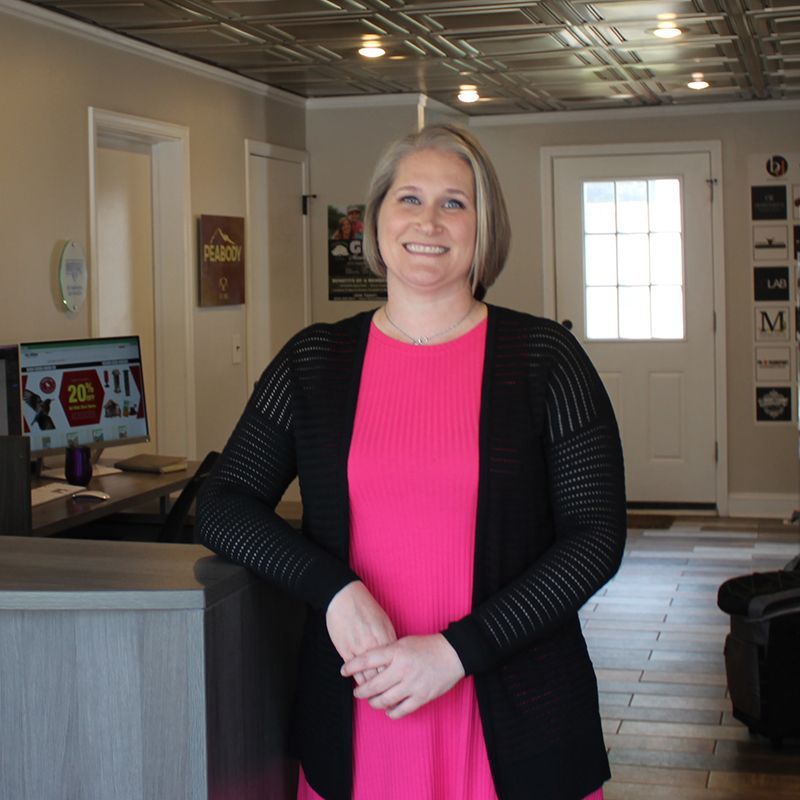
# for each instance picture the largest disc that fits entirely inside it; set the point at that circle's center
(221, 252)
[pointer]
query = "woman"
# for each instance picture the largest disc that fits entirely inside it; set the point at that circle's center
(463, 496)
(344, 231)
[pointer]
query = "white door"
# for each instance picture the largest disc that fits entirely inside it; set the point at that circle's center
(124, 198)
(277, 280)
(634, 276)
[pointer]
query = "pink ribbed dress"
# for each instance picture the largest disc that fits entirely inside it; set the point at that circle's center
(413, 475)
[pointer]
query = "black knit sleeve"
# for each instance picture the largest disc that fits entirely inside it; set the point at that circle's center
(586, 483)
(236, 506)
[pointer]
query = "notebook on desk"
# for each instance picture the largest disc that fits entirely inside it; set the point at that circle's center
(149, 462)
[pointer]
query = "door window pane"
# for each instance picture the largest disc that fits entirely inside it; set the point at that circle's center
(601, 259)
(601, 312)
(633, 259)
(599, 207)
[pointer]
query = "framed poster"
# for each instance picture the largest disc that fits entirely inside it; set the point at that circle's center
(796, 201)
(220, 252)
(349, 277)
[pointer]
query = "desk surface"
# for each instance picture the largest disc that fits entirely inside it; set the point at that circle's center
(127, 490)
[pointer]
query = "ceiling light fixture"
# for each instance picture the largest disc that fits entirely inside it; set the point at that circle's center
(667, 30)
(468, 94)
(371, 50)
(698, 82)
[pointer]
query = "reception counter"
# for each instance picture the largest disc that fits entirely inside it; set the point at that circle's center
(133, 671)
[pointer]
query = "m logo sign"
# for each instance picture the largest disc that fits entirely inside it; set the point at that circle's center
(772, 324)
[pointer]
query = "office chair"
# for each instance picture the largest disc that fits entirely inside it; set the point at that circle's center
(174, 529)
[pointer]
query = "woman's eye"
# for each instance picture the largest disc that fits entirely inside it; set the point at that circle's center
(411, 199)
(452, 203)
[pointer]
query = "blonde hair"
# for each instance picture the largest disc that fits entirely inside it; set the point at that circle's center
(493, 232)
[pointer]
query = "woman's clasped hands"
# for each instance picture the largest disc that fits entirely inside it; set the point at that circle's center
(398, 676)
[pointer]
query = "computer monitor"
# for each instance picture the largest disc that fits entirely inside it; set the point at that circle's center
(10, 414)
(82, 392)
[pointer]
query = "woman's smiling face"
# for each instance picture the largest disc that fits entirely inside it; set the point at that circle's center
(427, 222)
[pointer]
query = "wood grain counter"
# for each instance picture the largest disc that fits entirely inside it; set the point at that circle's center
(132, 670)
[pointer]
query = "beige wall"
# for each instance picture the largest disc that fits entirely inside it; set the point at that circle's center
(50, 79)
(762, 459)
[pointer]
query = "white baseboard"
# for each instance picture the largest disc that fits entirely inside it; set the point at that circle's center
(762, 504)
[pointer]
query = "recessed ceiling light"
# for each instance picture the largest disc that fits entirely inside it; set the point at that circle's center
(667, 30)
(698, 82)
(468, 94)
(372, 50)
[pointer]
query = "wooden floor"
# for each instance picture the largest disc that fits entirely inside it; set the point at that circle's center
(656, 639)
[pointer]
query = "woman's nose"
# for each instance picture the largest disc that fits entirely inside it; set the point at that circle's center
(428, 219)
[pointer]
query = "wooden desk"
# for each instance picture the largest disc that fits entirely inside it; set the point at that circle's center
(127, 489)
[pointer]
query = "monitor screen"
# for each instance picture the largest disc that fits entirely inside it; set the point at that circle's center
(83, 391)
(10, 416)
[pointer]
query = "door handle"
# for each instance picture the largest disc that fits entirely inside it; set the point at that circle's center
(567, 323)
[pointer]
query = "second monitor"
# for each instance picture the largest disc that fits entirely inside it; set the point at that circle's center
(83, 392)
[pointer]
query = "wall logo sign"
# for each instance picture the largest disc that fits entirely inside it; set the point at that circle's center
(768, 202)
(772, 323)
(773, 403)
(221, 254)
(777, 166)
(770, 283)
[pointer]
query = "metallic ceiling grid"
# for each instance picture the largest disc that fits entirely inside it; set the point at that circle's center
(542, 55)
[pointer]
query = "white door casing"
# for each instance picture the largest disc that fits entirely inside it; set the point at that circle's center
(668, 395)
(174, 281)
(124, 260)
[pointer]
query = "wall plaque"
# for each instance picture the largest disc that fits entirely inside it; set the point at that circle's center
(220, 252)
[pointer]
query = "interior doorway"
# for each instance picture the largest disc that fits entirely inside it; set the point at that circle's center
(634, 274)
(278, 281)
(171, 406)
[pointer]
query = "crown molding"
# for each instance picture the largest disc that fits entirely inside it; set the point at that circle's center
(42, 16)
(364, 101)
(611, 114)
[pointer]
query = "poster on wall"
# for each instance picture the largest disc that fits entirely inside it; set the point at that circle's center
(796, 253)
(773, 365)
(770, 242)
(796, 201)
(220, 252)
(768, 202)
(770, 283)
(772, 323)
(773, 403)
(349, 278)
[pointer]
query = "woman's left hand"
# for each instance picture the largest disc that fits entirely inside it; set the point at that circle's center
(410, 673)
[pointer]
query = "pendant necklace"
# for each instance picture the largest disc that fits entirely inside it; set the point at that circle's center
(422, 340)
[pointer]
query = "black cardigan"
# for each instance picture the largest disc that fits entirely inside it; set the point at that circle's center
(550, 532)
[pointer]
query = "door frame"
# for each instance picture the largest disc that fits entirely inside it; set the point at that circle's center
(712, 148)
(256, 313)
(173, 285)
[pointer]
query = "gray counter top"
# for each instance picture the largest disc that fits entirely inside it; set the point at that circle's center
(67, 574)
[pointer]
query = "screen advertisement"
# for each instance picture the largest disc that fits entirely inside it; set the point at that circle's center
(82, 392)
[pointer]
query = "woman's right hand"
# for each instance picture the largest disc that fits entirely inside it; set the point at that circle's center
(357, 623)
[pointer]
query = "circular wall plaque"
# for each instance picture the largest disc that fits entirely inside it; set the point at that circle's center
(72, 277)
